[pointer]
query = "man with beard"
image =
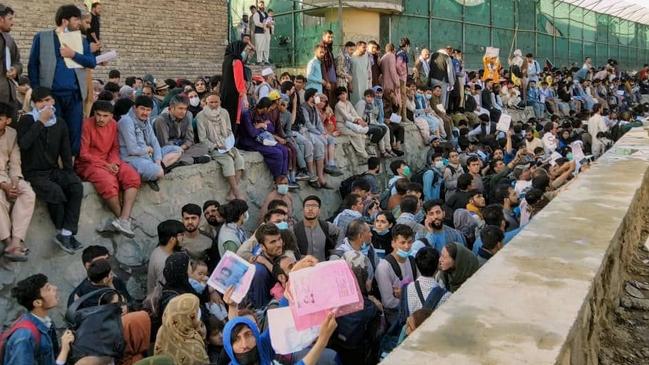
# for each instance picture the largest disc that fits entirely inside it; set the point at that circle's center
(531, 142)
(437, 233)
(194, 242)
(329, 67)
(315, 236)
(47, 68)
(170, 239)
(373, 53)
(507, 197)
(272, 247)
(213, 220)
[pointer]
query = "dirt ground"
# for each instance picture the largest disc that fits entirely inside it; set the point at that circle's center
(627, 342)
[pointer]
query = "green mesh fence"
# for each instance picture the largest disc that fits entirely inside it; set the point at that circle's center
(560, 32)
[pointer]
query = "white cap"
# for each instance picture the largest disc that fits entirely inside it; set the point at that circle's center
(267, 72)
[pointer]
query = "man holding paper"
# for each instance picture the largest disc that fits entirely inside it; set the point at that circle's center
(11, 66)
(57, 60)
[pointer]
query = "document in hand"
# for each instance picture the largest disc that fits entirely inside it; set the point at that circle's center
(395, 118)
(74, 41)
(504, 123)
(106, 57)
(328, 286)
(284, 336)
(232, 270)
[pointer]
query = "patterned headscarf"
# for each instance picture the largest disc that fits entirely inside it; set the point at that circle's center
(179, 338)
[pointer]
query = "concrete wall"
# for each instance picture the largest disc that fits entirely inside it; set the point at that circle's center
(192, 184)
(167, 38)
(544, 299)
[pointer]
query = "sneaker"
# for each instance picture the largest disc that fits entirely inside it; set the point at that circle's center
(65, 243)
(76, 244)
(106, 226)
(398, 153)
(292, 185)
(333, 171)
(302, 176)
(124, 226)
(154, 185)
(202, 159)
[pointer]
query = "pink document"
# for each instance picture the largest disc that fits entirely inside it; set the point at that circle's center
(328, 286)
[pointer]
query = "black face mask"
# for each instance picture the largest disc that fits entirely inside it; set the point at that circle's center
(248, 358)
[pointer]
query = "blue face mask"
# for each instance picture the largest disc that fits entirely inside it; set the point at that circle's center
(569, 156)
(403, 254)
(282, 189)
(381, 233)
(244, 55)
(282, 226)
(197, 285)
(365, 248)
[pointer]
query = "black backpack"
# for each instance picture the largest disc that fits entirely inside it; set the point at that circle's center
(397, 269)
(345, 187)
(97, 328)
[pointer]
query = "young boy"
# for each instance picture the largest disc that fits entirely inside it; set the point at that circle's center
(13, 222)
(198, 276)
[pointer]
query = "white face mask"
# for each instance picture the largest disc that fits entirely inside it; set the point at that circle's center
(194, 101)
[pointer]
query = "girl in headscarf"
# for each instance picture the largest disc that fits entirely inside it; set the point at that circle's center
(136, 329)
(182, 334)
(456, 264)
(233, 85)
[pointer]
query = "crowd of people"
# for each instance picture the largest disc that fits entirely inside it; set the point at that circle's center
(410, 243)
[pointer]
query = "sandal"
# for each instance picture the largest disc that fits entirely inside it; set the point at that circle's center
(12, 254)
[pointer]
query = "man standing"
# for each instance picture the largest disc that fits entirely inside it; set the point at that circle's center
(194, 242)
(11, 66)
(38, 296)
(47, 68)
(402, 71)
(262, 41)
(95, 24)
(43, 141)
(373, 53)
(315, 236)
(361, 73)
(272, 247)
(422, 69)
(442, 72)
(329, 67)
(314, 79)
(437, 233)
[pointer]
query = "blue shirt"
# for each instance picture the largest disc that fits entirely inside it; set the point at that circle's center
(65, 79)
(314, 75)
(20, 348)
(433, 181)
(447, 235)
(262, 282)
(508, 237)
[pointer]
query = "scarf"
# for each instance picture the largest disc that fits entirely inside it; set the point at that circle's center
(36, 114)
(219, 130)
(465, 265)
(178, 337)
(136, 328)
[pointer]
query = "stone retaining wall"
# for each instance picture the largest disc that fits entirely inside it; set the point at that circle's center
(192, 184)
(545, 298)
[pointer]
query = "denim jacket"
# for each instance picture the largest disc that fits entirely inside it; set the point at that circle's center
(20, 347)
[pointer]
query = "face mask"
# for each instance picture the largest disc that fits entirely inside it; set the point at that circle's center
(439, 164)
(244, 55)
(248, 358)
(246, 216)
(429, 96)
(282, 226)
(282, 189)
(569, 156)
(407, 171)
(197, 286)
(381, 233)
(403, 254)
(365, 248)
(194, 101)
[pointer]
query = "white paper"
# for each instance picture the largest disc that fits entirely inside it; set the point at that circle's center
(395, 118)
(504, 123)
(74, 41)
(232, 270)
(106, 57)
(284, 337)
(229, 144)
(7, 59)
(441, 108)
(492, 52)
